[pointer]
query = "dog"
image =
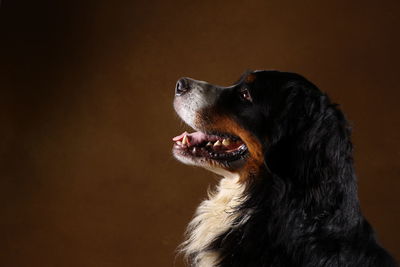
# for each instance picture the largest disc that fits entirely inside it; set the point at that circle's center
(288, 196)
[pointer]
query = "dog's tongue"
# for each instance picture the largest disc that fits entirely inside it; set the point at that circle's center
(194, 138)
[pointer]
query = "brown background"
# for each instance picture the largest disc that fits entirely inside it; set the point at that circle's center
(86, 89)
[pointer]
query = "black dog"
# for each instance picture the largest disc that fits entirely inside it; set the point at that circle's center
(289, 193)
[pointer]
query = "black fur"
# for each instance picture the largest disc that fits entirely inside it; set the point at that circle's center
(303, 203)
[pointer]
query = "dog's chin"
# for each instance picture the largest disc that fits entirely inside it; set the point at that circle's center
(220, 153)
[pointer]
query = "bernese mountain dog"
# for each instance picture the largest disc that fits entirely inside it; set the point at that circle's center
(288, 196)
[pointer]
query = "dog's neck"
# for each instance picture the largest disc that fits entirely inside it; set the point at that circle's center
(215, 228)
(214, 217)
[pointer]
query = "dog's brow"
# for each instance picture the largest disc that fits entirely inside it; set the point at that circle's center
(243, 77)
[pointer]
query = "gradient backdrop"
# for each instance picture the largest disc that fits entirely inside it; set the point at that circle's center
(86, 89)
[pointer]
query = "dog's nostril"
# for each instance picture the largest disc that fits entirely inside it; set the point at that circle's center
(182, 87)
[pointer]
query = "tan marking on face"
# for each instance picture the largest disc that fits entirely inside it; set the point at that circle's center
(225, 124)
(250, 78)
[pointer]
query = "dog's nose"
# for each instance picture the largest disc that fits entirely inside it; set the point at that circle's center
(182, 87)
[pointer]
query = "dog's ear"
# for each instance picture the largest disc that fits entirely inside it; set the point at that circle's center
(310, 144)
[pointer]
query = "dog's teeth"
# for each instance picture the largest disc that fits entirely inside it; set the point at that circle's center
(185, 140)
(226, 142)
(209, 144)
(179, 143)
(194, 150)
(218, 143)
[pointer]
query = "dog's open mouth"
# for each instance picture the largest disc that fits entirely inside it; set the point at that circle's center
(224, 148)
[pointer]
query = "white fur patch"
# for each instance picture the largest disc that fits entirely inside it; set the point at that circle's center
(213, 217)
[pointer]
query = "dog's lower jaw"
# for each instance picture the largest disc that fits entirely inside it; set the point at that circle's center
(213, 217)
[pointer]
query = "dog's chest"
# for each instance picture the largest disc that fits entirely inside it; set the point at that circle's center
(214, 217)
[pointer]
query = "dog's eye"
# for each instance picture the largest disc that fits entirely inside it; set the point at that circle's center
(245, 94)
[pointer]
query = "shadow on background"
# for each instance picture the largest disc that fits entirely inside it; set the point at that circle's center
(87, 177)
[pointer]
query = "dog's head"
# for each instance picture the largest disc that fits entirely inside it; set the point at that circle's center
(237, 125)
